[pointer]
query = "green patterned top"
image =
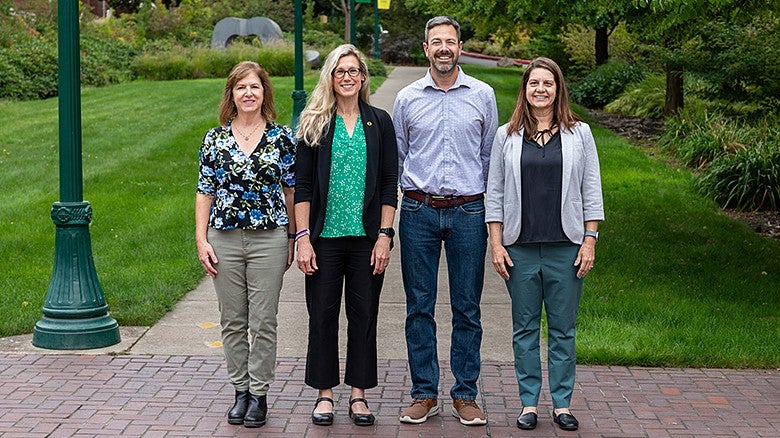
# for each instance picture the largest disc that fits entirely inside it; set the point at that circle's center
(347, 187)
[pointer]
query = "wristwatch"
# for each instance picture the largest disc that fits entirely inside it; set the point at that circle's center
(593, 234)
(389, 232)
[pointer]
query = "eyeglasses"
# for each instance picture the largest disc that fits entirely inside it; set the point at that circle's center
(353, 72)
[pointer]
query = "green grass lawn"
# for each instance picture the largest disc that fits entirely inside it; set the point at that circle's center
(676, 283)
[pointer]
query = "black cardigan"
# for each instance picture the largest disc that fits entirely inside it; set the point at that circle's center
(312, 171)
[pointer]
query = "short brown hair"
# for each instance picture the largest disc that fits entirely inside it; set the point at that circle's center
(227, 107)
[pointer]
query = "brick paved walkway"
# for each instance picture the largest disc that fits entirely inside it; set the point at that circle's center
(88, 395)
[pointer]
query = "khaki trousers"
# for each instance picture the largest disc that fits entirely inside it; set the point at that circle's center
(249, 280)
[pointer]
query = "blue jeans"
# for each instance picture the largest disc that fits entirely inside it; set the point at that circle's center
(422, 229)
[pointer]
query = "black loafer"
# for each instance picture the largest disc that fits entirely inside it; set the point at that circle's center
(236, 413)
(360, 419)
(566, 421)
(322, 418)
(256, 411)
(527, 421)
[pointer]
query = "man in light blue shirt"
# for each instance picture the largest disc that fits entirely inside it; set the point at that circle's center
(445, 124)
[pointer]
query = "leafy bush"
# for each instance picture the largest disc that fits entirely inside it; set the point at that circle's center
(645, 99)
(741, 62)
(105, 61)
(403, 48)
(323, 40)
(738, 162)
(605, 83)
(697, 138)
(376, 68)
(748, 179)
(201, 62)
(28, 69)
(31, 69)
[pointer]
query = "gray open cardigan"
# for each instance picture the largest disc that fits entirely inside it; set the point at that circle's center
(581, 198)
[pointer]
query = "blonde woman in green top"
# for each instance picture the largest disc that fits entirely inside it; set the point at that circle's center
(345, 201)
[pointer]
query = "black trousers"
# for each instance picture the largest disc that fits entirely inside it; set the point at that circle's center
(344, 265)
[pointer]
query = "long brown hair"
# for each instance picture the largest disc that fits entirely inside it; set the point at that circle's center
(523, 118)
(227, 107)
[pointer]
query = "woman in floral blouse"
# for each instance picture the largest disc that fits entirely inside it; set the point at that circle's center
(345, 203)
(243, 209)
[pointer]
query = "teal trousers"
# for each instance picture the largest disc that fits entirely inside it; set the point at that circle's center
(544, 274)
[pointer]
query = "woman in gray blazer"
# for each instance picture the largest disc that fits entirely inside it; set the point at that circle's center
(543, 207)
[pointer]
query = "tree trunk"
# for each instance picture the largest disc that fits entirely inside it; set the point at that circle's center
(348, 19)
(674, 89)
(602, 45)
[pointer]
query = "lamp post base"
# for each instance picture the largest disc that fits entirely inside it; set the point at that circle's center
(75, 313)
(76, 334)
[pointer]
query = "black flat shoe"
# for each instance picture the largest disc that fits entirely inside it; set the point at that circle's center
(566, 421)
(256, 411)
(360, 419)
(322, 418)
(236, 413)
(527, 421)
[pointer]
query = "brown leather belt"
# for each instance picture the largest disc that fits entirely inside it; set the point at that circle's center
(441, 201)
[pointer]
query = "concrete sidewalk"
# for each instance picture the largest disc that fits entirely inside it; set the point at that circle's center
(170, 379)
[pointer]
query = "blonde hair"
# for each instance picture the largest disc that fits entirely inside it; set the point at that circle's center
(522, 117)
(316, 117)
(227, 107)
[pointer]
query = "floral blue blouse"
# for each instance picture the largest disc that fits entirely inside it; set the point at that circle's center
(247, 190)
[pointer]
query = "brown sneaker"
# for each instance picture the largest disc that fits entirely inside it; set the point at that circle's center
(420, 410)
(468, 412)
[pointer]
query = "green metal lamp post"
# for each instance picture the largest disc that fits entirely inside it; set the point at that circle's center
(352, 22)
(298, 94)
(376, 29)
(75, 313)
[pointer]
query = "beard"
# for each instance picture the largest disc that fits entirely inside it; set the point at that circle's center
(444, 66)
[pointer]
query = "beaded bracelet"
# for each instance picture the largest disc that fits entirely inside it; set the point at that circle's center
(290, 236)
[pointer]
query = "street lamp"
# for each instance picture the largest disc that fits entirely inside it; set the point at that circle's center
(75, 312)
(298, 94)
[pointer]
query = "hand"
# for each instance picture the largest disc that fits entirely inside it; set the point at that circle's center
(501, 260)
(307, 260)
(207, 258)
(585, 257)
(290, 253)
(380, 255)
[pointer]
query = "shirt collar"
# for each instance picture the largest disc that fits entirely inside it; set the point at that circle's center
(461, 81)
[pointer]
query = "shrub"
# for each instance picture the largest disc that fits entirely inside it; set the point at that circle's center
(697, 138)
(30, 69)
(748, 179)
(322, 40)
(376, 68)
(605, 83)
(105, 61)
(645, 99)
(404, 49)
(202, 62)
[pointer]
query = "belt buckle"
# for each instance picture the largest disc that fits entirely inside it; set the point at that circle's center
(442, 201)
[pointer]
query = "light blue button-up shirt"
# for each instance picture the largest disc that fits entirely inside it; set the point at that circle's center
(444, 137)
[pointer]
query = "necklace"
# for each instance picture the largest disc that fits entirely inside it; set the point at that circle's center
(246, 137)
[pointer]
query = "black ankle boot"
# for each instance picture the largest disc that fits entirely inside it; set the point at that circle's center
(256, 411)
(237, 412)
